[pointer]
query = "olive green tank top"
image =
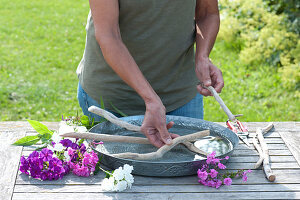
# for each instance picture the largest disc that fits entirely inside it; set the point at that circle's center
(160, 35)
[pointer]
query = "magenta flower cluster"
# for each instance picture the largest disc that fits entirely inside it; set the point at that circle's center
(42, 165)
(82, 163)
(49, 165)
(209, 176)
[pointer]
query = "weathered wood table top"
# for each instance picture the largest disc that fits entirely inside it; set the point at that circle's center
(283, 142)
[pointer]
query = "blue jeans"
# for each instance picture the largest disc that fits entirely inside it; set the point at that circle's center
(193, 109)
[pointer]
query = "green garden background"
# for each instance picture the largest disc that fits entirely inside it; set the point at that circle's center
(258, 50)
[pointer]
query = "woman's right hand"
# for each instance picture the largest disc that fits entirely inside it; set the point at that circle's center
(154, 125)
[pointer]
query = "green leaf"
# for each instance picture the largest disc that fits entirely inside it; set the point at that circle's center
(27, 140)
(102, 103)
(118, 111)
(39, 127)
(85, 121)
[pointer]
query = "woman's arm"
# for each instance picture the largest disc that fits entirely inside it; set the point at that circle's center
(105, 15)
(207, 24)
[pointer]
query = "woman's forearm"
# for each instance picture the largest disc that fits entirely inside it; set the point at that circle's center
(118, 57)
(207, 23)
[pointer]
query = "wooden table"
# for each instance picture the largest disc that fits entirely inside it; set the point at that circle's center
(283, 142)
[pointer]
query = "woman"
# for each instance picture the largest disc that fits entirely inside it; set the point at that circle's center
(139, 56)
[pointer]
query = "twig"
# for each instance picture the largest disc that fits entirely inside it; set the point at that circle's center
(164, 149)
(259, 150)
(220, 101)
(115, 120)
(266, 162)
(106, 137)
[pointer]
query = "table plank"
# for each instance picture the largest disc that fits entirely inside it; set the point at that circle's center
(169, 196)
(9, 159)
(292, 140)
(93, 188)
(283, 176)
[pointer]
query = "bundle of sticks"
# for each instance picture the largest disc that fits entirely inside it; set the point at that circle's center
(262, 149)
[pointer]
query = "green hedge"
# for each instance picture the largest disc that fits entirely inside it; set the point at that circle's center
(262, 36)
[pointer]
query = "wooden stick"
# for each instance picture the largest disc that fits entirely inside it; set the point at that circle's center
(266, 129)
(220, 101)
(266, 163)
(164, 149)
(259, 150)
(113, 119)
(106, 137)
(124, 139)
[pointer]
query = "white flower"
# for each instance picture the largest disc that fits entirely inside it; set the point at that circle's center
(64, 128)
(120, 186)
(108, 184)
(128, 168)
(81, 129)
(129, 179)
(119, 180)
(67, 155)
(85, 143)
(118, 174)
(56, 138)
(58, 147)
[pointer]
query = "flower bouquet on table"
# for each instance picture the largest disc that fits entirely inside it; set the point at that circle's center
(56, 157)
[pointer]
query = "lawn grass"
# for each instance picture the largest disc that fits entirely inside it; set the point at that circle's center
(42, 43)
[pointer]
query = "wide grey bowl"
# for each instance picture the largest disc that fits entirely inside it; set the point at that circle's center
(177, 162)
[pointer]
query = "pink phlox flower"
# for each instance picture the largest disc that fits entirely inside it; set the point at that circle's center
(221, 166)
(218, 183)
(202, 175)
(227, 181)
(245, 178)
(213, 173)
(226, 158)
(81, 170)
(211, 183)
(210, 157)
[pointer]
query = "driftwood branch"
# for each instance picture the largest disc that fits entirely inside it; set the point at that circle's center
(115, 120)
(220, 101)
(106, 137)
(164, 149)
(264, 152)
(259, 150)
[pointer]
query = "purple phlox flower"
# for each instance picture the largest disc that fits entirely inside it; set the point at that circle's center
(221, 166)
(24, 165)
(35, 171)
(66, 142)
(213, 173)
(249, 171)
(202, 175)
(82, 148)
(74, 146)
(46, 154)
(34, 154)
(227, 181)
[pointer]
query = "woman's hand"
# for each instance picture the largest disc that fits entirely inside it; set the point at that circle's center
(209, 75)
(154, 125)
